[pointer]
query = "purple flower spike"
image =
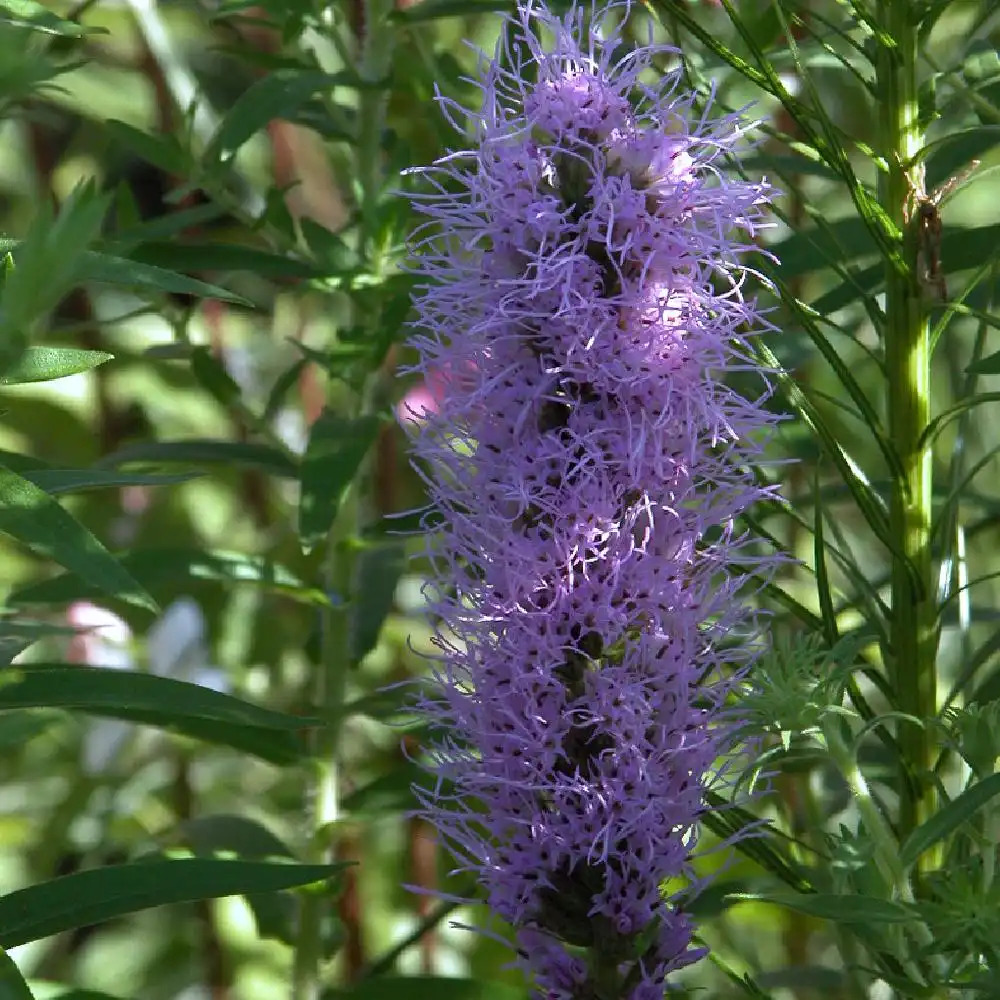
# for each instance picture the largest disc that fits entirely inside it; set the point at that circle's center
(582, 300)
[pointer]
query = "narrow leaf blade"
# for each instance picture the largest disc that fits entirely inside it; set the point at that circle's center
(30, 515)
(336, 449)
(949, 818)
(100, 894)
(43, 364)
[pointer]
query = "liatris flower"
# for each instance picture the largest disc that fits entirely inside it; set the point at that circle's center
(582, 300)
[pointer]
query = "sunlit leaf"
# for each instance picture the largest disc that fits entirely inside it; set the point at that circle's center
(42, 364)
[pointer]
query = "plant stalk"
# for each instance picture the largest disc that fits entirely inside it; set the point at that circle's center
(913, 628)
(376, 43)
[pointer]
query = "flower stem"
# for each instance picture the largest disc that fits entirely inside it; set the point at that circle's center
(376, 42)
(329, 694)
(913, 631)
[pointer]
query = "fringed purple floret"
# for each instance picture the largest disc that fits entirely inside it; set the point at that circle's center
(582, 297)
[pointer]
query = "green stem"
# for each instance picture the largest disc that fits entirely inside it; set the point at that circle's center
(913, 631)
(331, 679)
(376, 62)
(374, 65)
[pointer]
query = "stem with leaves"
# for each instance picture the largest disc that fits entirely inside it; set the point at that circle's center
(913, 631)
(376, 44)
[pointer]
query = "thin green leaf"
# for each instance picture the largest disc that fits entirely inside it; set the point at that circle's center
(728, 821)
(18, 729)
(866, 411)
(971, 666)
(276, 95)
(879, 224)
(962, 248)
(938, 424)
(274, 912)
(989, 365)
(426, 988)
(207, 256)
(823, 585)
(337, 446)
(211, 373)
(104, 268)
(57, 481)
(18, 634)
(161, 228)
(223, 832)
(31, 516)
(12, 984)
(117, 693)
(377, 571)
(841, 909)
(282, 385)
(156, 567)
(37, 17)
(100, 894)
(162, 702)
(766, 78)
(948, 819)
(946, 156)
(237, 454)
(83, 995)
(46, 265)
(869, 502)
(42, 364)
(432, 10)
(162, 149)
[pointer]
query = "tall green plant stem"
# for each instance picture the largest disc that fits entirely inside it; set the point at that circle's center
(375, 60)
(330, 684)
(913, 632)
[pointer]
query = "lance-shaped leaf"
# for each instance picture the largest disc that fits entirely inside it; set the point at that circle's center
(163, 702)
(42, 364)
(30, 515)
(91, 897)
(337, 447)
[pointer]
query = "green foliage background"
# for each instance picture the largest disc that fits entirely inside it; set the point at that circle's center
(201, 320)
